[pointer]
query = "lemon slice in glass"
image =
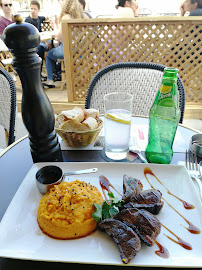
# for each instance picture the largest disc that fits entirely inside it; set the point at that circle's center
(120, 118)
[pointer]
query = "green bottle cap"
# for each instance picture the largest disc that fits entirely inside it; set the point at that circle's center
(170, 72)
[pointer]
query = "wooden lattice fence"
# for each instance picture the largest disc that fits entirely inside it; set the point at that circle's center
(45, 26)
(91, 45)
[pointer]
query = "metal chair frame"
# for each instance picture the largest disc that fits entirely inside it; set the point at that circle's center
(140, 79)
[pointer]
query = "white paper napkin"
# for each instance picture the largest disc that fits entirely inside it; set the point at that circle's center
(139, 138)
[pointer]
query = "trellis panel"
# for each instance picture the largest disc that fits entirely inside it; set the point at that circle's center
(45, 26)
(94, 44)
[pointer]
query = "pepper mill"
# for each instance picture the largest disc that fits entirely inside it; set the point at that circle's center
(37, 113)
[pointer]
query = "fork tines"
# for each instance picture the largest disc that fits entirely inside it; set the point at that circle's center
(191, 161)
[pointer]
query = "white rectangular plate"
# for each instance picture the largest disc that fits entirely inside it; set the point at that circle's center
(20, 236)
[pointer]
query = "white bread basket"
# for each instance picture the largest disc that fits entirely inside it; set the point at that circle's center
(80, 138)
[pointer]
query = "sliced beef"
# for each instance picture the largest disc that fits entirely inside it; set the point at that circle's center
(131, 186)
(126, 239)
(145, 224)
(149, 200)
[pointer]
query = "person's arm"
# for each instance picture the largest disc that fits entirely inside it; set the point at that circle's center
(2, 27)
(58, 27)
(182, 10)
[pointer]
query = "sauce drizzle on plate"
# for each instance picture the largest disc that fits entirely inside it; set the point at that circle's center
(105, 184)
(186, 205)
(162, 252)
(180, 241)
(192, 228)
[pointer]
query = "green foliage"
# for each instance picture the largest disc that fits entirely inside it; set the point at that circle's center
(107, 209)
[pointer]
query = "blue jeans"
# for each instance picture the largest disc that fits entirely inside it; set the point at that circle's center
(52, 56)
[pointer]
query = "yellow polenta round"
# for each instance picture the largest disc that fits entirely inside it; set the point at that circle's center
(65, 211)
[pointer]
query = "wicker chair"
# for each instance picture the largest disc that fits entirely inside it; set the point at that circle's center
(140, 79)
(7, 105)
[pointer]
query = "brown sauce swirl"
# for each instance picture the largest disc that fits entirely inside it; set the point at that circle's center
(162, 252)
(105, 185)
(180, 241)
(192, 228)
(186, 205)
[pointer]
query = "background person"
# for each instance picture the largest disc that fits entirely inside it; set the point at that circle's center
(7, 17)
(70, 9)
(126, 9)
(83, 5)
(192, 6)
(34, 17)
(37, 20)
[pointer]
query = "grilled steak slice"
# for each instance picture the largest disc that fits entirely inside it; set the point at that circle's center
(149, 200)
(131, 186)
(145, 224)
(126, 239)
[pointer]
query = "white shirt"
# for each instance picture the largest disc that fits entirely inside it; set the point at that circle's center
(123, 12)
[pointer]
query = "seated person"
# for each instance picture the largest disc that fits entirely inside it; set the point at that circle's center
(83, 5)
(192, 6)
(126, 9)
(7, 17)
(70, 9)
(37, 21)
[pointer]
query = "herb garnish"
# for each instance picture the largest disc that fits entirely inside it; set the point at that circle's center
(107, 209)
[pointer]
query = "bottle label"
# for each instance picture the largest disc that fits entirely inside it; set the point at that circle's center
(166, 96)
(167, 102)
(165, 88)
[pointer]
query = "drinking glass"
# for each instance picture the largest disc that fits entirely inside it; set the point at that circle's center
(117, 123)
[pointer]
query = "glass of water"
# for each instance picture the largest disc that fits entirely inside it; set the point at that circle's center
(117, 123)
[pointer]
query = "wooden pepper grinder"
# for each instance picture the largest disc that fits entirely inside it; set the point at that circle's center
(37, 113)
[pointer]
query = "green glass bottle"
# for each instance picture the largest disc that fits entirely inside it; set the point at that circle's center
(164, 117)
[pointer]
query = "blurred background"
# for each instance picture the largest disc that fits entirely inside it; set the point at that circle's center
(99, 8)
(103, 8)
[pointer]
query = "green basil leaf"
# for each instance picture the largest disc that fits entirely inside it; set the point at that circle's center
(97, 215)
(111, 195)
(113, 211)
(106, 209)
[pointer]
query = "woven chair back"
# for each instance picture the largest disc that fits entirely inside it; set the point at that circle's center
(142, 80)
(7, 104)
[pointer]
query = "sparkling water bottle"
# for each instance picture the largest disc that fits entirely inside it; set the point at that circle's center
(164, 116)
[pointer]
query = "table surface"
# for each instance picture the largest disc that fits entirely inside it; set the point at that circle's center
(3, 47)
(46, 35)
(15, 164)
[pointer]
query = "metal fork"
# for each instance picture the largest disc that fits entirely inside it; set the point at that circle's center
(192, 167)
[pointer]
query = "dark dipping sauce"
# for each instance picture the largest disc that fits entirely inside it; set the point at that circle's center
(49, 175)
